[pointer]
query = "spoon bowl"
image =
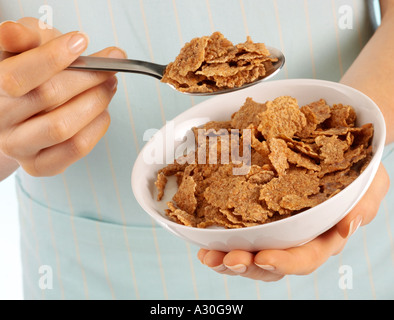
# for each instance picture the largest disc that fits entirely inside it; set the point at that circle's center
(157, 70)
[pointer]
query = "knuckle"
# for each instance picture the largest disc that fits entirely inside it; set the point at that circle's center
(11, 84)
(315, 260)
(8, 147)
(91, 76)
(30, 169)
(105, 118)
(53, 60)
(37, 167)
(79, 146)
(48, 93)
(101, 97)
(105, 92)
(57, 130)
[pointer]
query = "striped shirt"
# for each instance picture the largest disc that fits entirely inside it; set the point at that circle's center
(84, 230)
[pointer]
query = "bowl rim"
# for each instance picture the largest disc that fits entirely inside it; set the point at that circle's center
(376, 156)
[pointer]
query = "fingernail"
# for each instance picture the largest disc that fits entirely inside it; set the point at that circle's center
(78, 43)
(238, 268)
(266, 267)
(354, 225)
(219, 268)
(117, 53)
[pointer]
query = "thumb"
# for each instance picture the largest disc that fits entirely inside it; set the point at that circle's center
(16, 37)
(366, 209)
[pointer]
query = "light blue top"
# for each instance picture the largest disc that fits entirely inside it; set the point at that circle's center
(85, 225)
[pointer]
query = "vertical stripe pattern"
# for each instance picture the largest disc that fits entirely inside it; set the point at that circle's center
(86, 224)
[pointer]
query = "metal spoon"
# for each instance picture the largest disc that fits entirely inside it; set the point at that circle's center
(157, 70)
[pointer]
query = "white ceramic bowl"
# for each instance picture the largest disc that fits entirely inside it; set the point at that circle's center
(281, 234)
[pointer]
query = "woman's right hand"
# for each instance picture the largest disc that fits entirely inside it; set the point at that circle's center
(50, 117)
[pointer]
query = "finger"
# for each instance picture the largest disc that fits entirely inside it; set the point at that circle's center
(214, 260)
(55, 160)
(26, 71)
(67, 84)
(367, 208)
(46, 32)
(304, 259)
(57, 91)
(25, 34)
(16, 37)
(242, 263)
(201, 254)
(59, 125)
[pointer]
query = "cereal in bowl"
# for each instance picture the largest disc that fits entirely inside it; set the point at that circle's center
(269, 161)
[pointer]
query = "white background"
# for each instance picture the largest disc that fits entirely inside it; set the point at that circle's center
(10, 259)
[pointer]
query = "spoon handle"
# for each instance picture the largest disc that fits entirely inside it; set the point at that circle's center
(118, 65)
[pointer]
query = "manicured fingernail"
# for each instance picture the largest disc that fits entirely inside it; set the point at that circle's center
(78, 43)
(117, 53)
(266, 267)
(238, 268)
(354, 225)
(219, 268)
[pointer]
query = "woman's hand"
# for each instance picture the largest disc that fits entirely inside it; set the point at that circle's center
(272, 265)
(50, 117)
